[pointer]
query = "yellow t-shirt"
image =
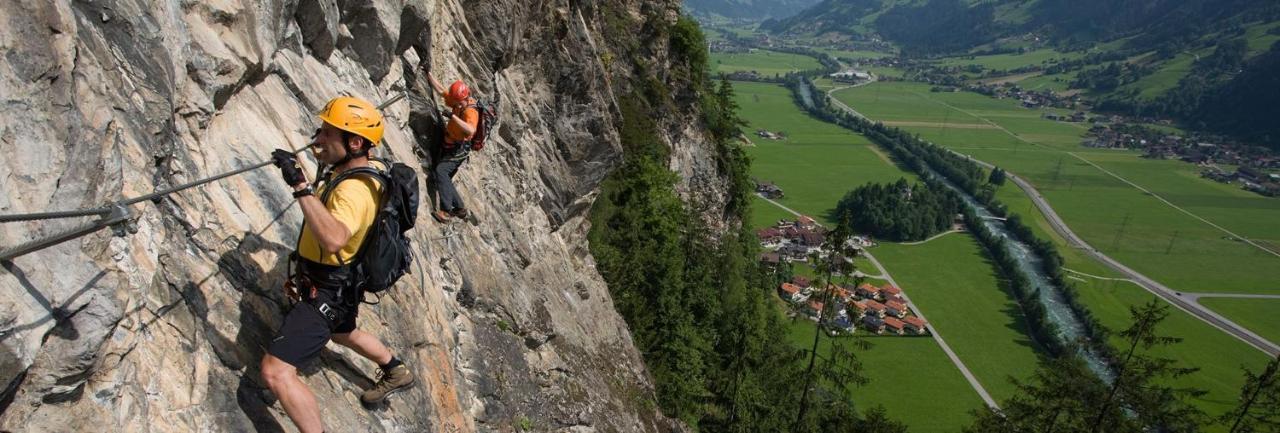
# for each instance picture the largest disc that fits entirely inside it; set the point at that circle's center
(354, 203)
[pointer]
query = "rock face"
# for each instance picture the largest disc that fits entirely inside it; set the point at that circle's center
(505, 320)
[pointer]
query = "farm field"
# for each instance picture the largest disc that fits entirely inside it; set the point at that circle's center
(902, 370)
(989, 332)
(1119, 219)
(1259, 315)
(763, 62)
(816, 164)
(1109, 301)
(1219, 356)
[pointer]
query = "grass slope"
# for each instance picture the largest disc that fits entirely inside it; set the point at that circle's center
(818, 162)
(910, 377)
(1260, 315)
(968, 306)
(763, 62)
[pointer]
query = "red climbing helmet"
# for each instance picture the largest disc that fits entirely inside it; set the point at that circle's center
(458, 91)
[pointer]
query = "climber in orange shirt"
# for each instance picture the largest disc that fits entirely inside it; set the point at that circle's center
(461, 126)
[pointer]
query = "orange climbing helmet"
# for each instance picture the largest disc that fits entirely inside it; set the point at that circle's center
(458, 91)
(354, 115)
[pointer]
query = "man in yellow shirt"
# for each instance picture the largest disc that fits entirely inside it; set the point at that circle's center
(461, 126)
(333, 230)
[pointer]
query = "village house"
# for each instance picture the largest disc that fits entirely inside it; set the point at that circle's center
(768, 190)
(894, 326)
(895, 309)
(814, 308)
(916, 325)
(874, 308)
(801, 280)
(873, 324)
(791, 293)
(857, 309)
(805, 222)
(794, 253)
(843, 323)
(770, 259)
(867, 291)
(891, 293)
(770, 237)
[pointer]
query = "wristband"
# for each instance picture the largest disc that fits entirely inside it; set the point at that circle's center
(303, 192)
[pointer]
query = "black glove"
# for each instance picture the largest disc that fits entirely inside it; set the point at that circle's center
(290, 170)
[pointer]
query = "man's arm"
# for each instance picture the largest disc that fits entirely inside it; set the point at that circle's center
(467, 129)
(435, 84)
(332, 234)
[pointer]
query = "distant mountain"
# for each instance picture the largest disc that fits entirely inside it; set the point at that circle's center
(750, 9)
(949, 26)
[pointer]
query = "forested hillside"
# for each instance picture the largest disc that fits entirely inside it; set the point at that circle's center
(758, 9)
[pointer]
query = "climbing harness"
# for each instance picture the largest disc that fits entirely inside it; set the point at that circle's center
(117, 215)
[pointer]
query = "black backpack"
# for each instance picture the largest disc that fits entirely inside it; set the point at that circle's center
(385, 254)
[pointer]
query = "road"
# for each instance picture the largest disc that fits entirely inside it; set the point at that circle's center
(884, 275)
(1183, 301)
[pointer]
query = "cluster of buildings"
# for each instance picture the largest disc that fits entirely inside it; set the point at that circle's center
(875, 309)
(1250, 178)
(791, 241)
(853, 76)
(1076, 117)
(770, 135)
(768, 190)
(1028, 98)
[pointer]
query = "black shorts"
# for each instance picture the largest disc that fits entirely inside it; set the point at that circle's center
(311, 323)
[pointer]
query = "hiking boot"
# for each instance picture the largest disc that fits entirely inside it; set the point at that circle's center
(460, 212)
(441, 216)
(389, 382)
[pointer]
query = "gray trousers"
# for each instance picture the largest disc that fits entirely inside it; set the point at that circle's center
(442, 176)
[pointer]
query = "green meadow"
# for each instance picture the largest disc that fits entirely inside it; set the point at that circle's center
(763, 62)
(968, 305)
(1262, 316)
(910, 376)
(816, 164)
(1170, 245)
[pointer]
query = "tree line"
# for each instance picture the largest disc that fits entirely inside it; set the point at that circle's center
(898, 211)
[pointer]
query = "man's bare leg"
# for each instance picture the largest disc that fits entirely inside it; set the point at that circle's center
(298, 401)
(366, 345)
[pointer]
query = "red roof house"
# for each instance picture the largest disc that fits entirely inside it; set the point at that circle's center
(896, 309)
(916, 325)
(894, 325)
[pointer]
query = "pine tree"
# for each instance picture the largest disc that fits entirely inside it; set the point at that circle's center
(997, 176)
(1140, 380)
(1259, 410)
(1059, 397)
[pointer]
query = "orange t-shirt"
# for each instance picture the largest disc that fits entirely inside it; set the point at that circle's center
(454, 132)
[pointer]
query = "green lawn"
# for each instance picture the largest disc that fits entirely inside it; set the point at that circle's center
(1262, 316)
(910, 377)
(1219, 356)
(817, 164)
(967, 305)
(763, 62)
(1134, 227)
